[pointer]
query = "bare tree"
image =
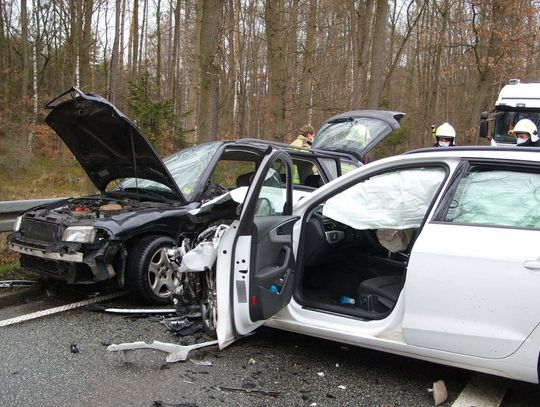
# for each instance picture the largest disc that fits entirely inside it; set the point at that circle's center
(377, 56)
(277, 71)
(209, 68)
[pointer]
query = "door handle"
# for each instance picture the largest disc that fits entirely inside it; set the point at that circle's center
(272, 273)
(532, 264)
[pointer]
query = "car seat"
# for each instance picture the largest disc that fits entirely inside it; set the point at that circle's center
(244, 180)
(379, 294)
(313, 180)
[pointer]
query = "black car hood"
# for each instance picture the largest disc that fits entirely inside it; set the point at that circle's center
(341, 132)
(105, 142)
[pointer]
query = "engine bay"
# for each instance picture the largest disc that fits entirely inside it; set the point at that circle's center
(91, 208)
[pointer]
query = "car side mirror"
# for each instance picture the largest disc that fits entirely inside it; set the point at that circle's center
(483, 131)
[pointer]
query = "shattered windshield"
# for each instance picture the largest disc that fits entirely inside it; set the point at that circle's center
(186, 167)
(506, 120)
(353, 133)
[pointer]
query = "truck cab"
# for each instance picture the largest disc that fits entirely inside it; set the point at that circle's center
(517, 100)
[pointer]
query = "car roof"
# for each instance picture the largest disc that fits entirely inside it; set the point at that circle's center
(293, 150)
(501, 153)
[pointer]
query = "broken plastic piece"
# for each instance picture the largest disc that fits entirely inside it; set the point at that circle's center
(320, 374)
(16, 283)
(176, 352)
(201, 362)
(439, 392)
(140, 310)
(253, 391)
(74, 348)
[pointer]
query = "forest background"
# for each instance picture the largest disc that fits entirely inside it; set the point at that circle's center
(191, 71)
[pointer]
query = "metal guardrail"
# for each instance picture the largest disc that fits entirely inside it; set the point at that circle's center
(9, 210)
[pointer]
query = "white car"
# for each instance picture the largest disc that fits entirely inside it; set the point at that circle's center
(433, 254)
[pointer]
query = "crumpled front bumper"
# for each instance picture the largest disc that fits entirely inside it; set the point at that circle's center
(74, 263)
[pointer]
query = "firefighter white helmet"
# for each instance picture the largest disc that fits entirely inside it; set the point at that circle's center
(445, 131)
(526, 126)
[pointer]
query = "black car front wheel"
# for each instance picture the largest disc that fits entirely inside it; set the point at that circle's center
(149, 273)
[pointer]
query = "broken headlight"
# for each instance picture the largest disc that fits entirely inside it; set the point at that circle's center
(17, 225)
(80, 234)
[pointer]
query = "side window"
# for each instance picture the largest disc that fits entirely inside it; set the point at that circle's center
(305, 173)
(231, 174)
(392, 200)
(272, 197)
(496, 198)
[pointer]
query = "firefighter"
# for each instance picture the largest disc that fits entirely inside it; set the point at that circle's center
(445, 136)
(526, 134)
(305, 138)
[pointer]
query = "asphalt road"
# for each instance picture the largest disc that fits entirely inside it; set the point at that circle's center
(270, 368)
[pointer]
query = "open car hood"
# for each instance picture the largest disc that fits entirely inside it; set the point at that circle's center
(105, 142)
(356, 132)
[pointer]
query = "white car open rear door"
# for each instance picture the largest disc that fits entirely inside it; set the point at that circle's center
(255, 266)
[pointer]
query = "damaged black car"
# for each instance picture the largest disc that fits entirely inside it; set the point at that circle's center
(123, 232)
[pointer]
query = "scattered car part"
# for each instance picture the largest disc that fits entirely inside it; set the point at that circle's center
(16, 283)
(204, 363)
(439, 392)
(176, 352)
(55, 310)
(138, 311)
(253, 391)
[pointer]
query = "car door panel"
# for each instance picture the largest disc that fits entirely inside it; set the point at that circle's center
(261, 256)
(472, 287)
(473, 296)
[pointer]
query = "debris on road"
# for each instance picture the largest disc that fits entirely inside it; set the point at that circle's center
(137, 311)
(159, 403)
(251, 361)
(248, 391)
(204, 363)
(439, 392)
(74, 348)
(16, 283)
(61, 308)
(176, 352)
(320, 374)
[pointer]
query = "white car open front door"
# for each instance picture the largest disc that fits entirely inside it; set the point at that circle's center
(255, 266)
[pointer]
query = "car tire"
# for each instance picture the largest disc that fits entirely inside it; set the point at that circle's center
(209, 303)
(149, 274)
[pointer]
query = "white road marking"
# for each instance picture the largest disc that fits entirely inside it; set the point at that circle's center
(62, 308)
(482, 391)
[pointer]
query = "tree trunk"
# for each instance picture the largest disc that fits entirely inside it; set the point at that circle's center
(275, 37)
(209, 66)
(134, 40)
(195, 77)
(115, 56)
(25, 72)
(361, 40)
(85, 48)
(304, 101)
(377, 56)
(158, 51)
